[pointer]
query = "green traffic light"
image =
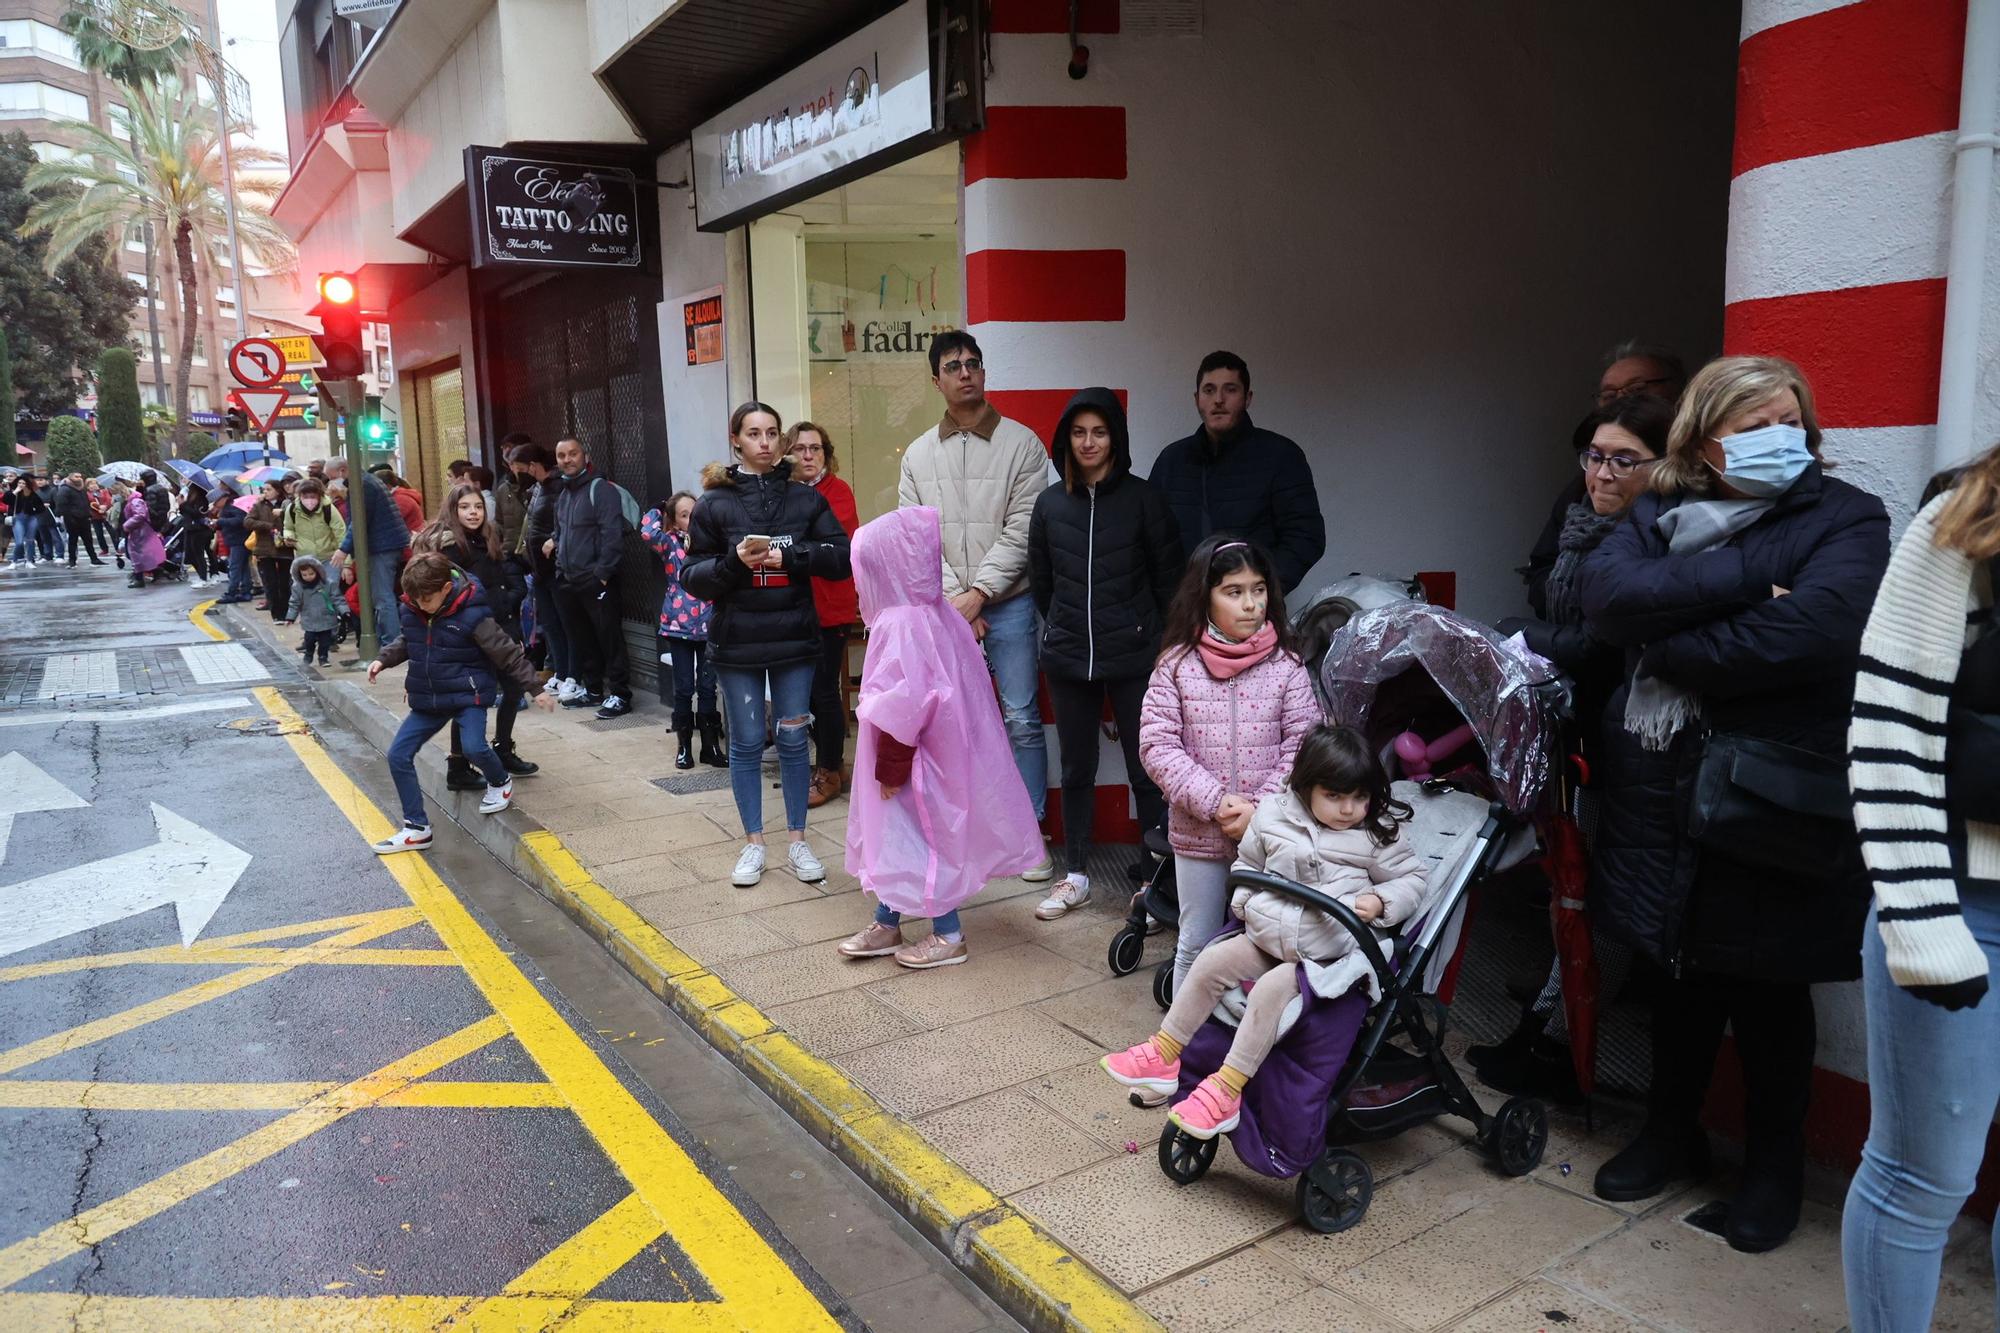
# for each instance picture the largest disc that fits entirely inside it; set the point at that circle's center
(373, 430)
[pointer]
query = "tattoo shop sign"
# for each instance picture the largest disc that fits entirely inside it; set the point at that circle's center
(533, 211)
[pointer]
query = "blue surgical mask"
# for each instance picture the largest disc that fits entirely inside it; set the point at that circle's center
(1766, 461)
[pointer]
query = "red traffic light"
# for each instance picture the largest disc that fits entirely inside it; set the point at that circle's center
(338, 288)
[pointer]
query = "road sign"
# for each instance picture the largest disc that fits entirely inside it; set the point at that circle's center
(297, 347)
(257, 363)
(260, 405)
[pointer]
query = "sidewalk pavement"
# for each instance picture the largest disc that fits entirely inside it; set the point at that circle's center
(1029, 1158)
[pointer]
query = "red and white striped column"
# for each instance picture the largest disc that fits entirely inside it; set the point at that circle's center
(1839, 218)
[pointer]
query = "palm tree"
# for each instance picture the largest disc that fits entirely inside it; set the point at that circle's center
(169, 174)
(101, 50)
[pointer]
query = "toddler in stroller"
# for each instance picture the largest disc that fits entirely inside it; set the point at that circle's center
(1336, 829)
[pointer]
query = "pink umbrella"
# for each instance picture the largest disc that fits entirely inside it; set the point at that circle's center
(257, 476)
(245, 502)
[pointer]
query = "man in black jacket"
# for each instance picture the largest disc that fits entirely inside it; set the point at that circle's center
(588, 545)
(1230, 476)
(70, 502)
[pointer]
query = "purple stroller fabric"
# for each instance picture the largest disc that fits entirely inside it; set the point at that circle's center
(1285, 1107)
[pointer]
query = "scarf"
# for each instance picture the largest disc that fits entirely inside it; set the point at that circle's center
(1225, 657)
(1655, 709)
(1583, 528)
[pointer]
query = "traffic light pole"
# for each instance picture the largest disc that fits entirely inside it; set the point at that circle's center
(346, 395)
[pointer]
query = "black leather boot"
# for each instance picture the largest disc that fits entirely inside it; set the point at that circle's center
(684, 756)
(712, 752)
(1542, 1068)
(460, 775)
(1765, 1210)
(1655, 1159)
(1512, 1046)
(511, 760)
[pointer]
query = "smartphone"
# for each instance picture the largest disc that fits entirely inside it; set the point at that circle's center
(758, 541)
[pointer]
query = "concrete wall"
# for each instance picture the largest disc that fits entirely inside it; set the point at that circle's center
(697, 397)
(434, 325)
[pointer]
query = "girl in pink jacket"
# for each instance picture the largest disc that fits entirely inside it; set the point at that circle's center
(1228, 705)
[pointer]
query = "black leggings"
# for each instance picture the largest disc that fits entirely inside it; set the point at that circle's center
(196, 543)
(1079, 705)
(277, 575)
(829, 701)
(1775, 1033)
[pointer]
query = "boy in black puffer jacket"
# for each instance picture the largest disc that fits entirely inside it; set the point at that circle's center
(457, 655)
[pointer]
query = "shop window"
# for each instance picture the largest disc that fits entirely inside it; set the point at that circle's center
(437, 403)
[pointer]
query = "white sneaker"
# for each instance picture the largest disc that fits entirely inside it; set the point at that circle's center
(409, 838)
(667, 657)
(496, 798)
(749, 866)
(570, 689)
(1042, 873)
(1074, 891)
(553, 687)
(804, 864)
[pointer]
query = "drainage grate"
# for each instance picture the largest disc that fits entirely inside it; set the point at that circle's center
(699, 779)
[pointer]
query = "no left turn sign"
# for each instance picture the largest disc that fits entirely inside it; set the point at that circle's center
(257, 363)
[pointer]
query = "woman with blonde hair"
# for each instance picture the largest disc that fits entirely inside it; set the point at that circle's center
(1924, 760)
(1725, 848)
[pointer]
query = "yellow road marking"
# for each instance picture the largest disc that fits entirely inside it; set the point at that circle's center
(199, 615)
(200, 993)
(201, 950)
(576, 1267)
(95, 1225)
(742, 1269)
(64, 1312)
(175, 956)
(73, 1094)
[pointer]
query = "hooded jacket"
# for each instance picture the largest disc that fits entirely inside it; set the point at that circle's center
(1775, 668)
(590, 528)
(318, 532)
(682, 614)
(387, 532)
(1103, 560)
(314, 605)
(1285, 840)
(458, 656)
(1256, 484)
(765, 617)
(71, 504)
(501, 581)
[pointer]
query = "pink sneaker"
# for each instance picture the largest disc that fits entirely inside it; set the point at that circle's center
(1141, 1067)
(1209, 1110)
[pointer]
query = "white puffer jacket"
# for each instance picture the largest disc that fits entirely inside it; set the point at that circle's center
(1285, 840)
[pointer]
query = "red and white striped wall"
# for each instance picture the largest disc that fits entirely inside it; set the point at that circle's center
(1839, 215)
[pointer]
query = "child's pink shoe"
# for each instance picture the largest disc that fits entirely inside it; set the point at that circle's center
(1141, 1067)
(1209, 1110)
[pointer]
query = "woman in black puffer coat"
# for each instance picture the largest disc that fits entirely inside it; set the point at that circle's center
(465, 534)
(756, 542)
(1739, 590)
(1104, 556)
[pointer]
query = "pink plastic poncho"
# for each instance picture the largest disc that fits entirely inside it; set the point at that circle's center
(964, 818)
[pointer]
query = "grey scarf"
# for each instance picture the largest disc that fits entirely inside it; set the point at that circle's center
(1583, 528)
(1655, 709)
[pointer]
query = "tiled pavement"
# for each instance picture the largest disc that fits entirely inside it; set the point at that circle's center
(996, 1062)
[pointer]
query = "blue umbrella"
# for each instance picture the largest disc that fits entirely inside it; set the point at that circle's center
(238, 457)
(200, 476)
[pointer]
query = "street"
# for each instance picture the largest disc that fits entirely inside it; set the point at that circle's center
(253, 1076)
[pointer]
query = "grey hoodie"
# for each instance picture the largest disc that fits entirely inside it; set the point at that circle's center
(316, 607)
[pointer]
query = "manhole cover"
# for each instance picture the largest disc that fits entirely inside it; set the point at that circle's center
(267, 726)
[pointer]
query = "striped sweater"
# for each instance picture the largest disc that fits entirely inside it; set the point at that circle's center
(1896, 751)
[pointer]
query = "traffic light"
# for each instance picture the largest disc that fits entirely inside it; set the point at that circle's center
(339, 315)
(237, 423)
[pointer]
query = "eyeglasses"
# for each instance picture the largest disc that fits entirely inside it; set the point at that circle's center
(970, 365)
(1626, 390)
(1621, 465)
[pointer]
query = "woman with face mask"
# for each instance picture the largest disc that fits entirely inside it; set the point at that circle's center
(1726, 851)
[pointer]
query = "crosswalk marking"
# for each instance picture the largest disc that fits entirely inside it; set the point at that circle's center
(221, 663)
(66, 674)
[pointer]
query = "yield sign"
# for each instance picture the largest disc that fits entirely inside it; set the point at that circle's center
(260, 405)
(257, 363)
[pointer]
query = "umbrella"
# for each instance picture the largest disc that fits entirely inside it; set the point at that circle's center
(240, 456)
(195, 473)
(260, 474)
(245, 502)
(1566, 862)
(124, 469)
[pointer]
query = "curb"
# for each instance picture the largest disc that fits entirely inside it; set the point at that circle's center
(1027, 1271)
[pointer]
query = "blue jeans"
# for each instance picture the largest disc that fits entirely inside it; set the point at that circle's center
(24, 538)
(548, 623)
(942, 925)
(1933, 1084)
(240, 588)
(1013, 645)
(690, 687)
(420, 727)
(384, 567)
(743, 701)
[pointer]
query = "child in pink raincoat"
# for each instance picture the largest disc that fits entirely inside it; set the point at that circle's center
(941, 816)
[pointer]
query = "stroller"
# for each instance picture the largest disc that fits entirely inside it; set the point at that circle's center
(1361, 1056)
(1156, 905)
(174, 539)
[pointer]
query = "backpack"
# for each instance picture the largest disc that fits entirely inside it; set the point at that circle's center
(628, 507)
(157, 503)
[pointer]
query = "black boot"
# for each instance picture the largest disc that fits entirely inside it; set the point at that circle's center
(460, 775)
(510, 759)
(1542, 1068)
(712, 752)
(1655, 1159)
(1765, 1210)
(684, 756)
(1513, 1046)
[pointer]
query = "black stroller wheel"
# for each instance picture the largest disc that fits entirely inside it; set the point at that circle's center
(1334, 1192)
(1519, 1134)
(1184, 1157)
(1126, 947)
(1163, 984)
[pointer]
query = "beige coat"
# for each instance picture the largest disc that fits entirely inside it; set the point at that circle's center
(1284, 840)
(983, 482)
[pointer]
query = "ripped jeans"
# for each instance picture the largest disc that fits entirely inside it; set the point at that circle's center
(743, 701)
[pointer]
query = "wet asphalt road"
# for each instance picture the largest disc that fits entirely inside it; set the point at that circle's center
(231, 1143)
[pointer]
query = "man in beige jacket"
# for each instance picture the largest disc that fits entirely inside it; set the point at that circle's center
(982, 472)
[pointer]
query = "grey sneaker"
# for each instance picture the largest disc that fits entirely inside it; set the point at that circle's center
(1042, 873)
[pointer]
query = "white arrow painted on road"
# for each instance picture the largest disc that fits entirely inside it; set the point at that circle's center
(25, 789)
(188, 867)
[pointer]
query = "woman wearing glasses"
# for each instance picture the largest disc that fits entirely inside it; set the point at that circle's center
(1627, 437)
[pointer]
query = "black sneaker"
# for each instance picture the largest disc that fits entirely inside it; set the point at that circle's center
(460, 775)
(615, 706)
(584, 700)
(514, 764)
